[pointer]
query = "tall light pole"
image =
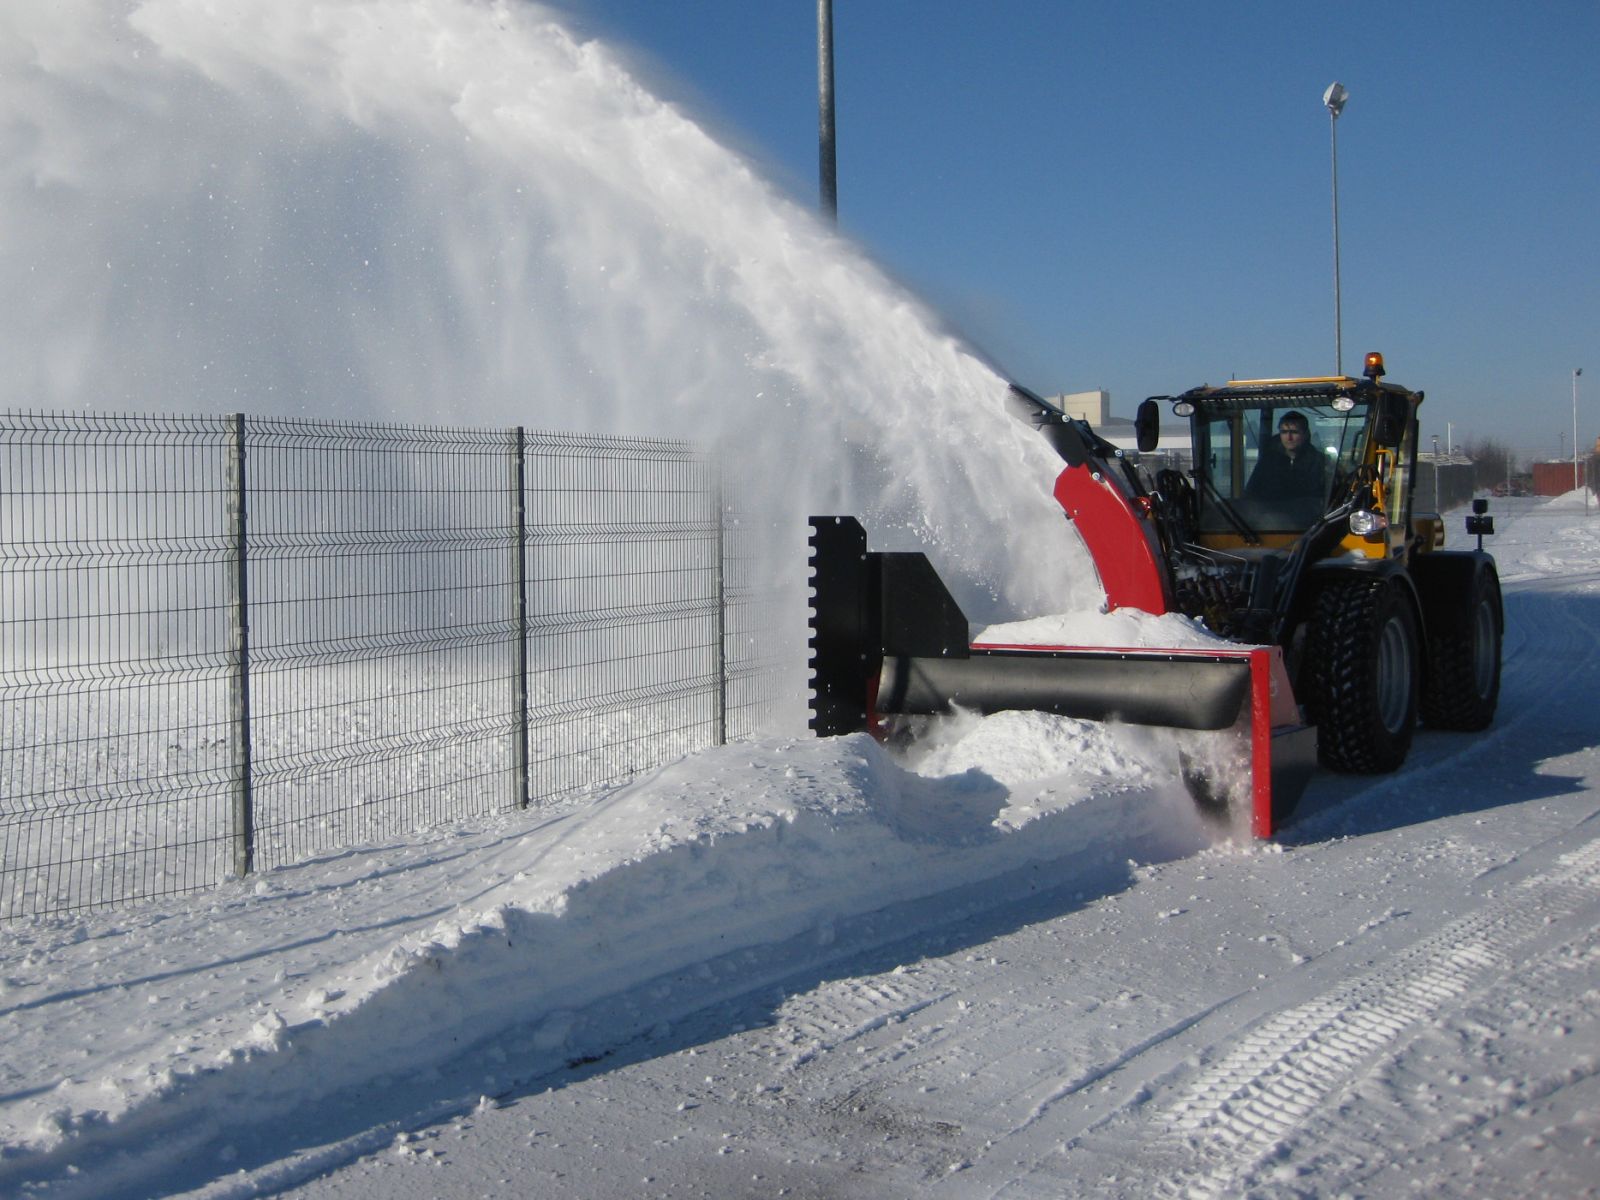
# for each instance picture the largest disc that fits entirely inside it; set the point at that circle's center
(1334, 98)
(828, 159)
(1575, 373)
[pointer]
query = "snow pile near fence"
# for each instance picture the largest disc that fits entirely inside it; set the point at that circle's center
(563, 938)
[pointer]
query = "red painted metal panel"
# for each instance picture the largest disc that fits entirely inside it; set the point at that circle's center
(1261, 689)
(1122, 543)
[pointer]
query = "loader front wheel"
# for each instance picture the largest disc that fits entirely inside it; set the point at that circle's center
(1362, 662)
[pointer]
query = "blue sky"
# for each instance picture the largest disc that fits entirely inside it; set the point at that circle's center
(1136, 196)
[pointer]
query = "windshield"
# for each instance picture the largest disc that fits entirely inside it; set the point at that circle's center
(1272, 463)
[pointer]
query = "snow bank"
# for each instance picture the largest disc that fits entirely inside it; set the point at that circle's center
(136, 1038)
(308, 981)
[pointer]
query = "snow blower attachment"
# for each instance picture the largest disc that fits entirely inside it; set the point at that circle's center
(1285, 527)
(888, 639)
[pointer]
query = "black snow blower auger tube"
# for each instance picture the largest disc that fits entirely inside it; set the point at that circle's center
(888, 639)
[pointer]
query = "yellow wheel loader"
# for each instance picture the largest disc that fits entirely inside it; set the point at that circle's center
(1342, 621)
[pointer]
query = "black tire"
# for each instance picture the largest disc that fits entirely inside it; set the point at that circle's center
(1463, 686)
(1363, 668)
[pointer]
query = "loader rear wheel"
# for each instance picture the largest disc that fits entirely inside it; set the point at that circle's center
(1362, 663)
(1463, 686)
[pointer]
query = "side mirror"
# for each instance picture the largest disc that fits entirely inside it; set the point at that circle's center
(1147, 426)
(1389, 420)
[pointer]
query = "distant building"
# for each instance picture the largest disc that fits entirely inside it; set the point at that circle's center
(1095, 407)
(1444, 481)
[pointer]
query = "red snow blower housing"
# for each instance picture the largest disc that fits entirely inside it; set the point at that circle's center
(1290, 535)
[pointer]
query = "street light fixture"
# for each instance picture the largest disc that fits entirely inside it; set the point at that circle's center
(1334, 99)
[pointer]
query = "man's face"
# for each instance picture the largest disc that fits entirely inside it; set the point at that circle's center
(1293, 436)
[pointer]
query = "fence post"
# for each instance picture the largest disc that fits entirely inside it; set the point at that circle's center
(243, 806)
(519, 557)
(722, 613)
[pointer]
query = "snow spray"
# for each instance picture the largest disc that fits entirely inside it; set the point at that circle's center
(455, 212)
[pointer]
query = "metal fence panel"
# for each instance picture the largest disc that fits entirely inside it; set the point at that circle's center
(236, 643)
(115, 658)
(381, 631)
(623, 607)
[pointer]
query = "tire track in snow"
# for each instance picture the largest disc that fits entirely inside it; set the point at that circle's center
(1355, 1152)
(847, 1009)
(1237, 1112)
(850, 1093)
(1536, 661)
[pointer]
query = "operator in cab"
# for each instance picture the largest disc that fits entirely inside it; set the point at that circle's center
(1295, 469)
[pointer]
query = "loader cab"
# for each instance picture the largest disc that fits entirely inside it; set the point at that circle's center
(1271, 464)
(1274, 458)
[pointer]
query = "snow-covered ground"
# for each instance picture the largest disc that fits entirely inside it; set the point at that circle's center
(800, 968)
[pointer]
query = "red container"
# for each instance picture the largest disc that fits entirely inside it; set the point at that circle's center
(1555, 478)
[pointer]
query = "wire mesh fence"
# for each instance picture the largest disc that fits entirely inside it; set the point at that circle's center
(234, 643)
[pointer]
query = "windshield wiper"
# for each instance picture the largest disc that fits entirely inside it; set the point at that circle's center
(1230, 514)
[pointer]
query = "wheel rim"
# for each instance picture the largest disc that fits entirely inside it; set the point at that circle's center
(1394, 675)
(1484, 633)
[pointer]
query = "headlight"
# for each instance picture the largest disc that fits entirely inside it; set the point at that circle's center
(1364, 521)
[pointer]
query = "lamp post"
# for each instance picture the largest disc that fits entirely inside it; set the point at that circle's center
(1334, 99)
(828, 160)
(1575, 373)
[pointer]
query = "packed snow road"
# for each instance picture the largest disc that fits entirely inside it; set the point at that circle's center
(1400, 999)
(1397, 997)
